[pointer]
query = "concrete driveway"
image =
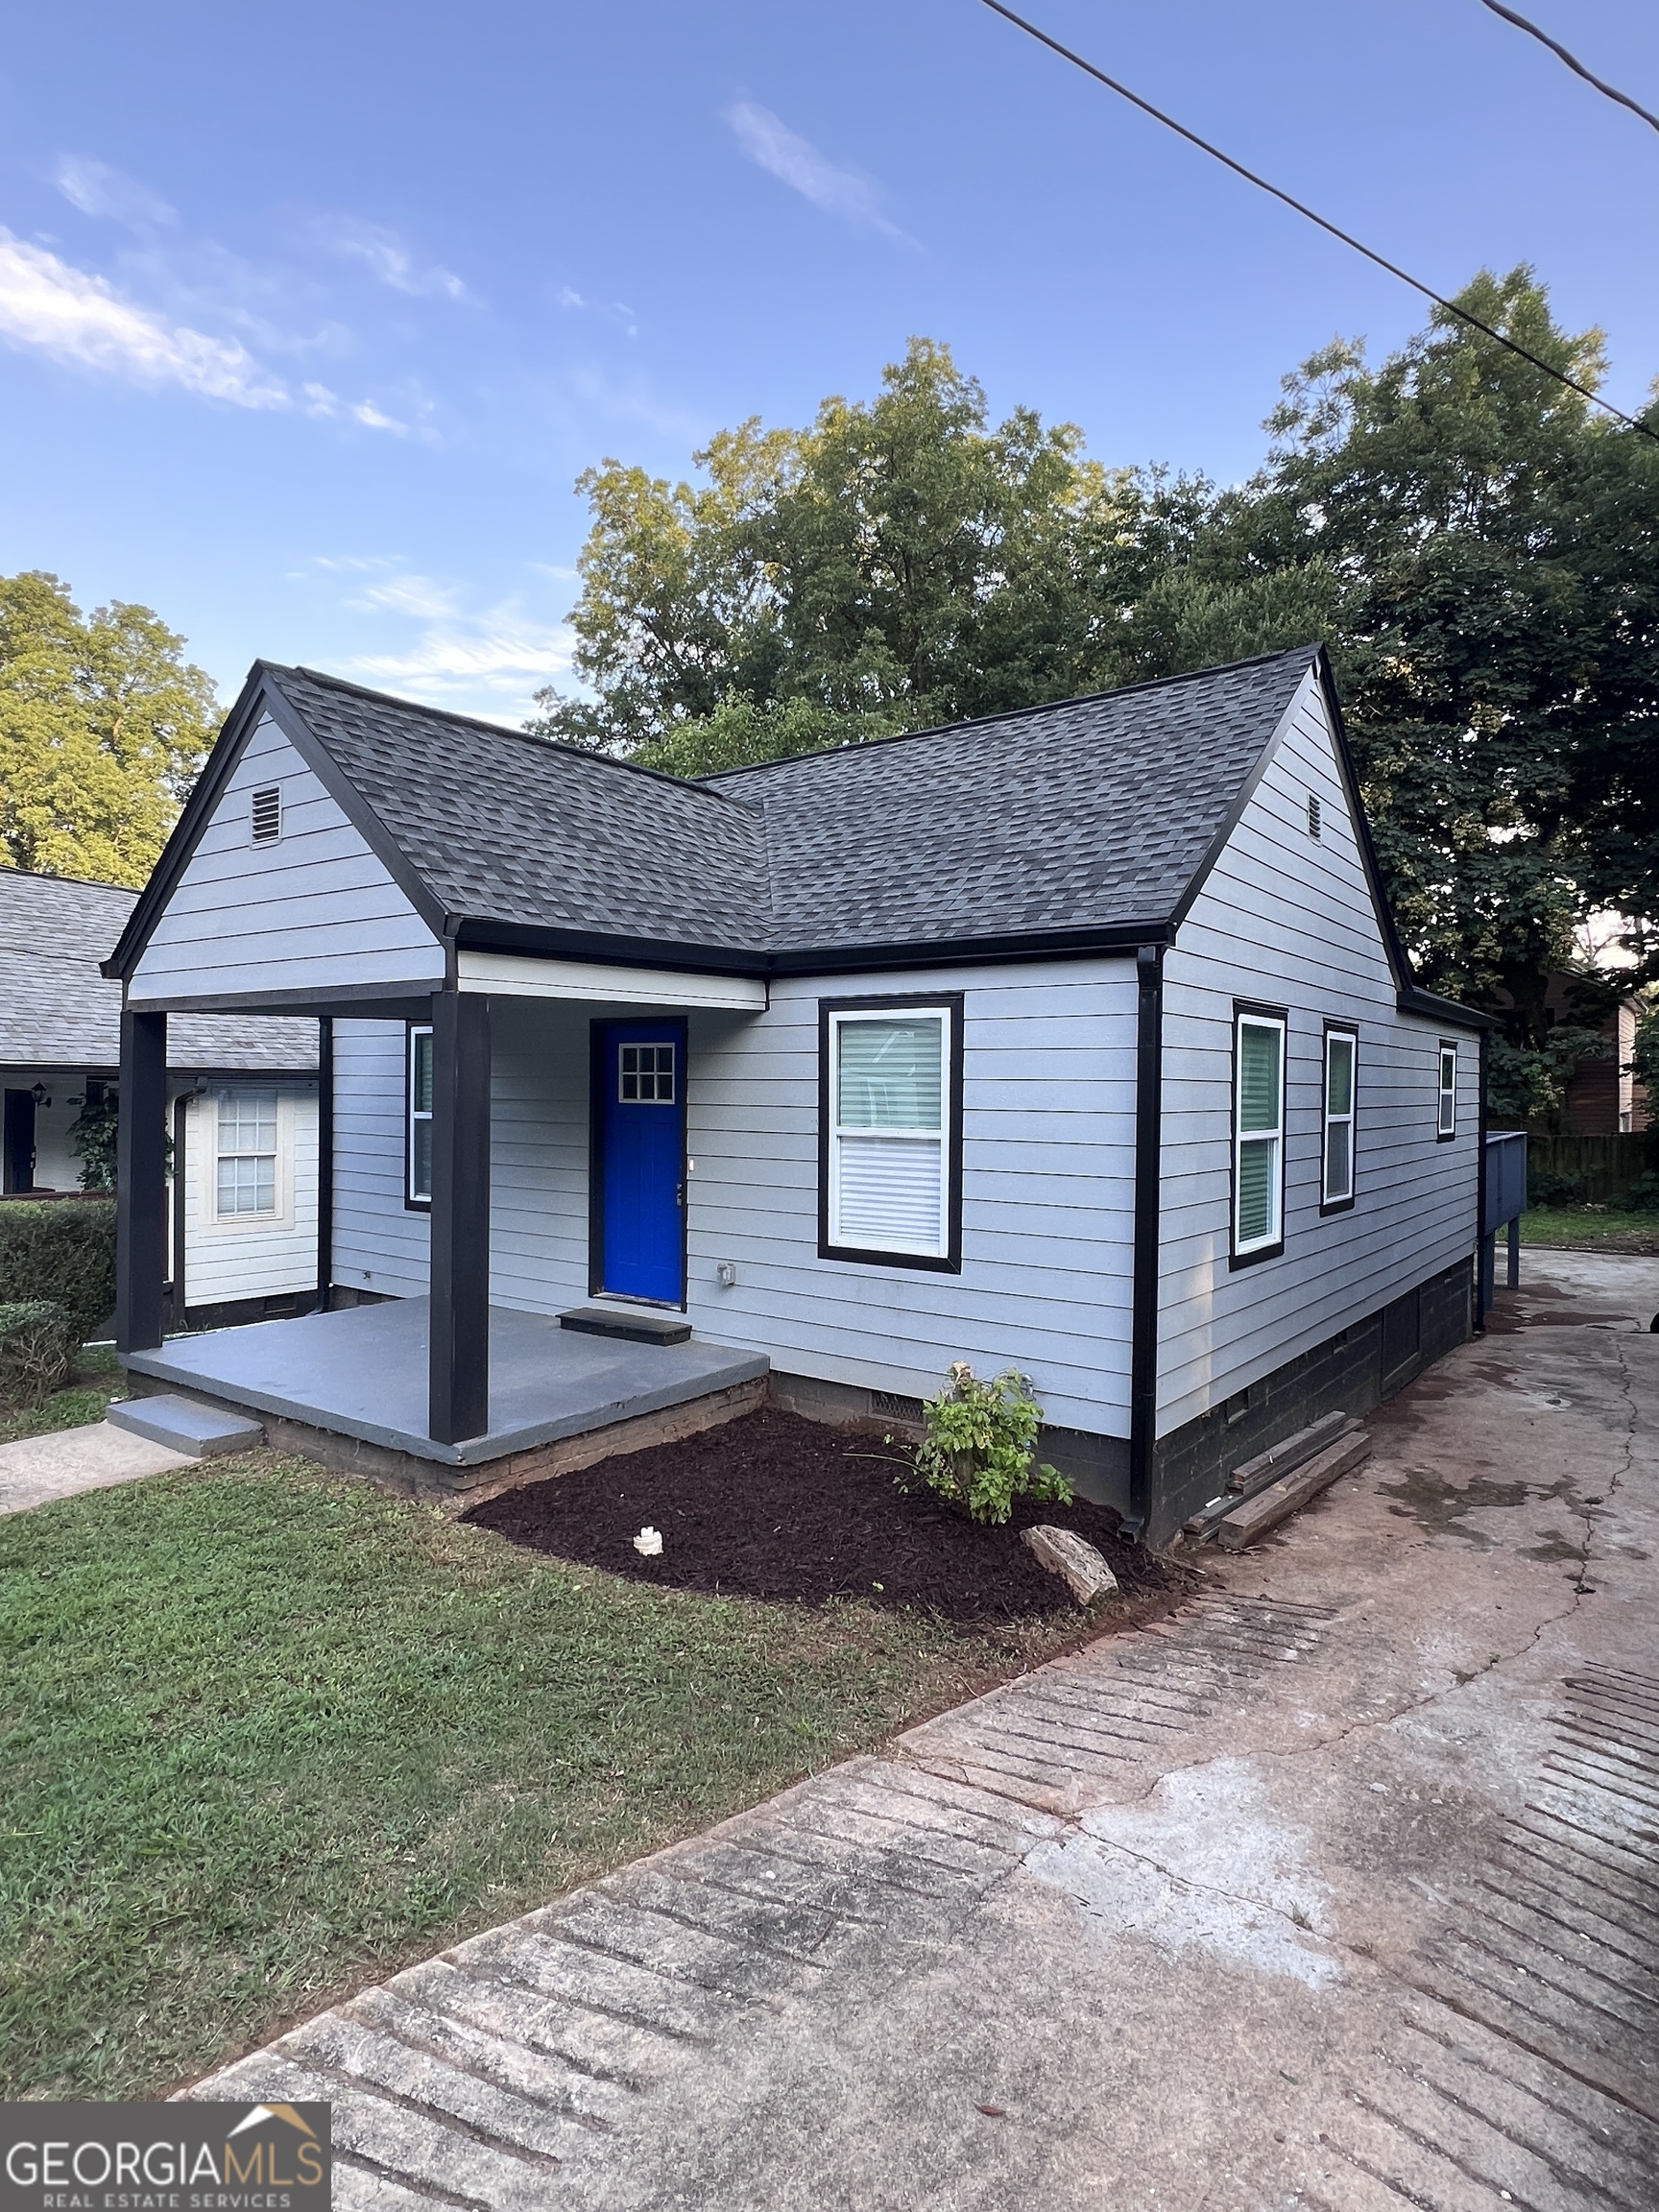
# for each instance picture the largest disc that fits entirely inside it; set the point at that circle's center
(1336, 1891)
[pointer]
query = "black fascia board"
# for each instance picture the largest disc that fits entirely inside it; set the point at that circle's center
(1449, 1012)
(361, 1002)
(259, 696)
(1246, 791)
(1115, 939)
(353, 806)
(187, 831)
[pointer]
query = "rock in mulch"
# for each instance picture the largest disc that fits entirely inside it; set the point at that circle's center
(1076, 1562)
(775, 1506)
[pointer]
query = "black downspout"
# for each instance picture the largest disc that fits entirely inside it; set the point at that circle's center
(324, 1161)
(1482, 1279)
(1148, 1199)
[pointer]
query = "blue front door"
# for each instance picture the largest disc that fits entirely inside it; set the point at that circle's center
(641, 1079)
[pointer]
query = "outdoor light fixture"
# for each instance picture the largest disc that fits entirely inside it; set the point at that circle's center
(38, 1094)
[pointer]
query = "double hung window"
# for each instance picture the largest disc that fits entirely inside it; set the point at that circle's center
(1257, 1134)
(891, 1086)
(418, 1132)
(1341, 1055)
(245, 1185)
(1447, 1125)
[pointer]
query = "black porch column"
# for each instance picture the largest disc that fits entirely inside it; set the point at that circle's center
(460, 1355)
(141, 1182)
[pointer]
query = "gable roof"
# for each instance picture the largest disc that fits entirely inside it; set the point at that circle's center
(1091, 823)
(58, 1011)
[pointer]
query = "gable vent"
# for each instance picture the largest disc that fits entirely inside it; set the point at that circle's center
(266, 813)
(1312, 814)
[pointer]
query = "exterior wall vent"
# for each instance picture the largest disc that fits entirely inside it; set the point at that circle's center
(267, 814)
(1313, 814)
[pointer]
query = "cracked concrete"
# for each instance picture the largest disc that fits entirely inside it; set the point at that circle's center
(1336, 1889)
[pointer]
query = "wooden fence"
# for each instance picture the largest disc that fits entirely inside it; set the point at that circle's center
(1598, 1168)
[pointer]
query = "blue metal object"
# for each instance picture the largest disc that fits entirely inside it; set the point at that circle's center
(641, 1081)
(1505, 1186)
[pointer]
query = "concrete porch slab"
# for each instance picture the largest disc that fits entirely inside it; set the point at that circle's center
(362, 1373)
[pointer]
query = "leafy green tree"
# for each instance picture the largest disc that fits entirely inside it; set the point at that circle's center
(103, 726)
(900, 563)
(1477, 545)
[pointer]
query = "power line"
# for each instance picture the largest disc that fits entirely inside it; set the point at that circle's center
(1262, 185)
(1572, 61)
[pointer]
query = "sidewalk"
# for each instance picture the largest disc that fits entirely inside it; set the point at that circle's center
(35, 1470)
(1336, 1890)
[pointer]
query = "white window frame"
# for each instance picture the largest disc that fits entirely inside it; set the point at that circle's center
(1328, 1197)
(1446, 1119)
(281, 1215)
(411, 1115)
(1254, 1247)
(938, 1253)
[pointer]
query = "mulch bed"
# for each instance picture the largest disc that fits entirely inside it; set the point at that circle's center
(775, 1506)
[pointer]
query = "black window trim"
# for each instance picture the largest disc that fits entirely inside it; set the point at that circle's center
(1334, 1026)
(411, 1031)
(1259, 1252)
(1444, 1046)
(949, 1261)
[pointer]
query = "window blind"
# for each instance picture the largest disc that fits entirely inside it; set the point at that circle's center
(888, 1170)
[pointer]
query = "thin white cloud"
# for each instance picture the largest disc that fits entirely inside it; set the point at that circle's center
(48, 304)
(488, 660)
(771, 145)
(97, 189)
(568, 297)
(320, 401)
(386, 257)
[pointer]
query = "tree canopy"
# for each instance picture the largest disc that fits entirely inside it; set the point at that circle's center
(103, 727)
(1473, 540)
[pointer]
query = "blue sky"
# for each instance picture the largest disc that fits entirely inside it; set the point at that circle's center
(310, 316)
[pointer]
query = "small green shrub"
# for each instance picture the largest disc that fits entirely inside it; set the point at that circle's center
(977, 1452)
(62, 1249)
(1642, 1197)
(1546, 1189)
(37, 1347)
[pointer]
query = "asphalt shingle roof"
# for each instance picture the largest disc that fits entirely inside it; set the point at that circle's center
(58, 1011)
(1089, 814)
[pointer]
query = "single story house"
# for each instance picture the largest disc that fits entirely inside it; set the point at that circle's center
(1078, 1040)
(242, 1097)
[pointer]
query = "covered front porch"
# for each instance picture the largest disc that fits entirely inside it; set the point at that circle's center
(451, 1371)
(364, 1374)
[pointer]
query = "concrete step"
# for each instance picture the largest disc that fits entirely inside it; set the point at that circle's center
(204, 1432)
(636, 1328)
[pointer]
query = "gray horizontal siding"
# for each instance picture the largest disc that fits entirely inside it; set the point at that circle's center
(316, 910)
(1047, 1194)
(1288, 922)
(379, 1245)
(1047, 1191)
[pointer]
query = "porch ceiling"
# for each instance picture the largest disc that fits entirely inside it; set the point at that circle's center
(364, 1373)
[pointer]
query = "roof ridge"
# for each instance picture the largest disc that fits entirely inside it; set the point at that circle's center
(86, 883)
(496, 728)
(1306, 653)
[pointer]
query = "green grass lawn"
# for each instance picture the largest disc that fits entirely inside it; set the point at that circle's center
(266, 1734)
(1588, 1228)
(97, 1378)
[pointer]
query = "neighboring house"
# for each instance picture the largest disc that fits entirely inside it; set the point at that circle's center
(243, 1099)
(1077, 1039)
(1604, 1099)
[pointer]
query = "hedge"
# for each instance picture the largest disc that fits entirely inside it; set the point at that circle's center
(63, 1250)
(37, 1346)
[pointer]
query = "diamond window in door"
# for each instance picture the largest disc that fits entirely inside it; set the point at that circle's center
(645, 1075)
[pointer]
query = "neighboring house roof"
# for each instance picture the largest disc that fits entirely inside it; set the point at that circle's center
(1089, 823)
(58, 1011)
